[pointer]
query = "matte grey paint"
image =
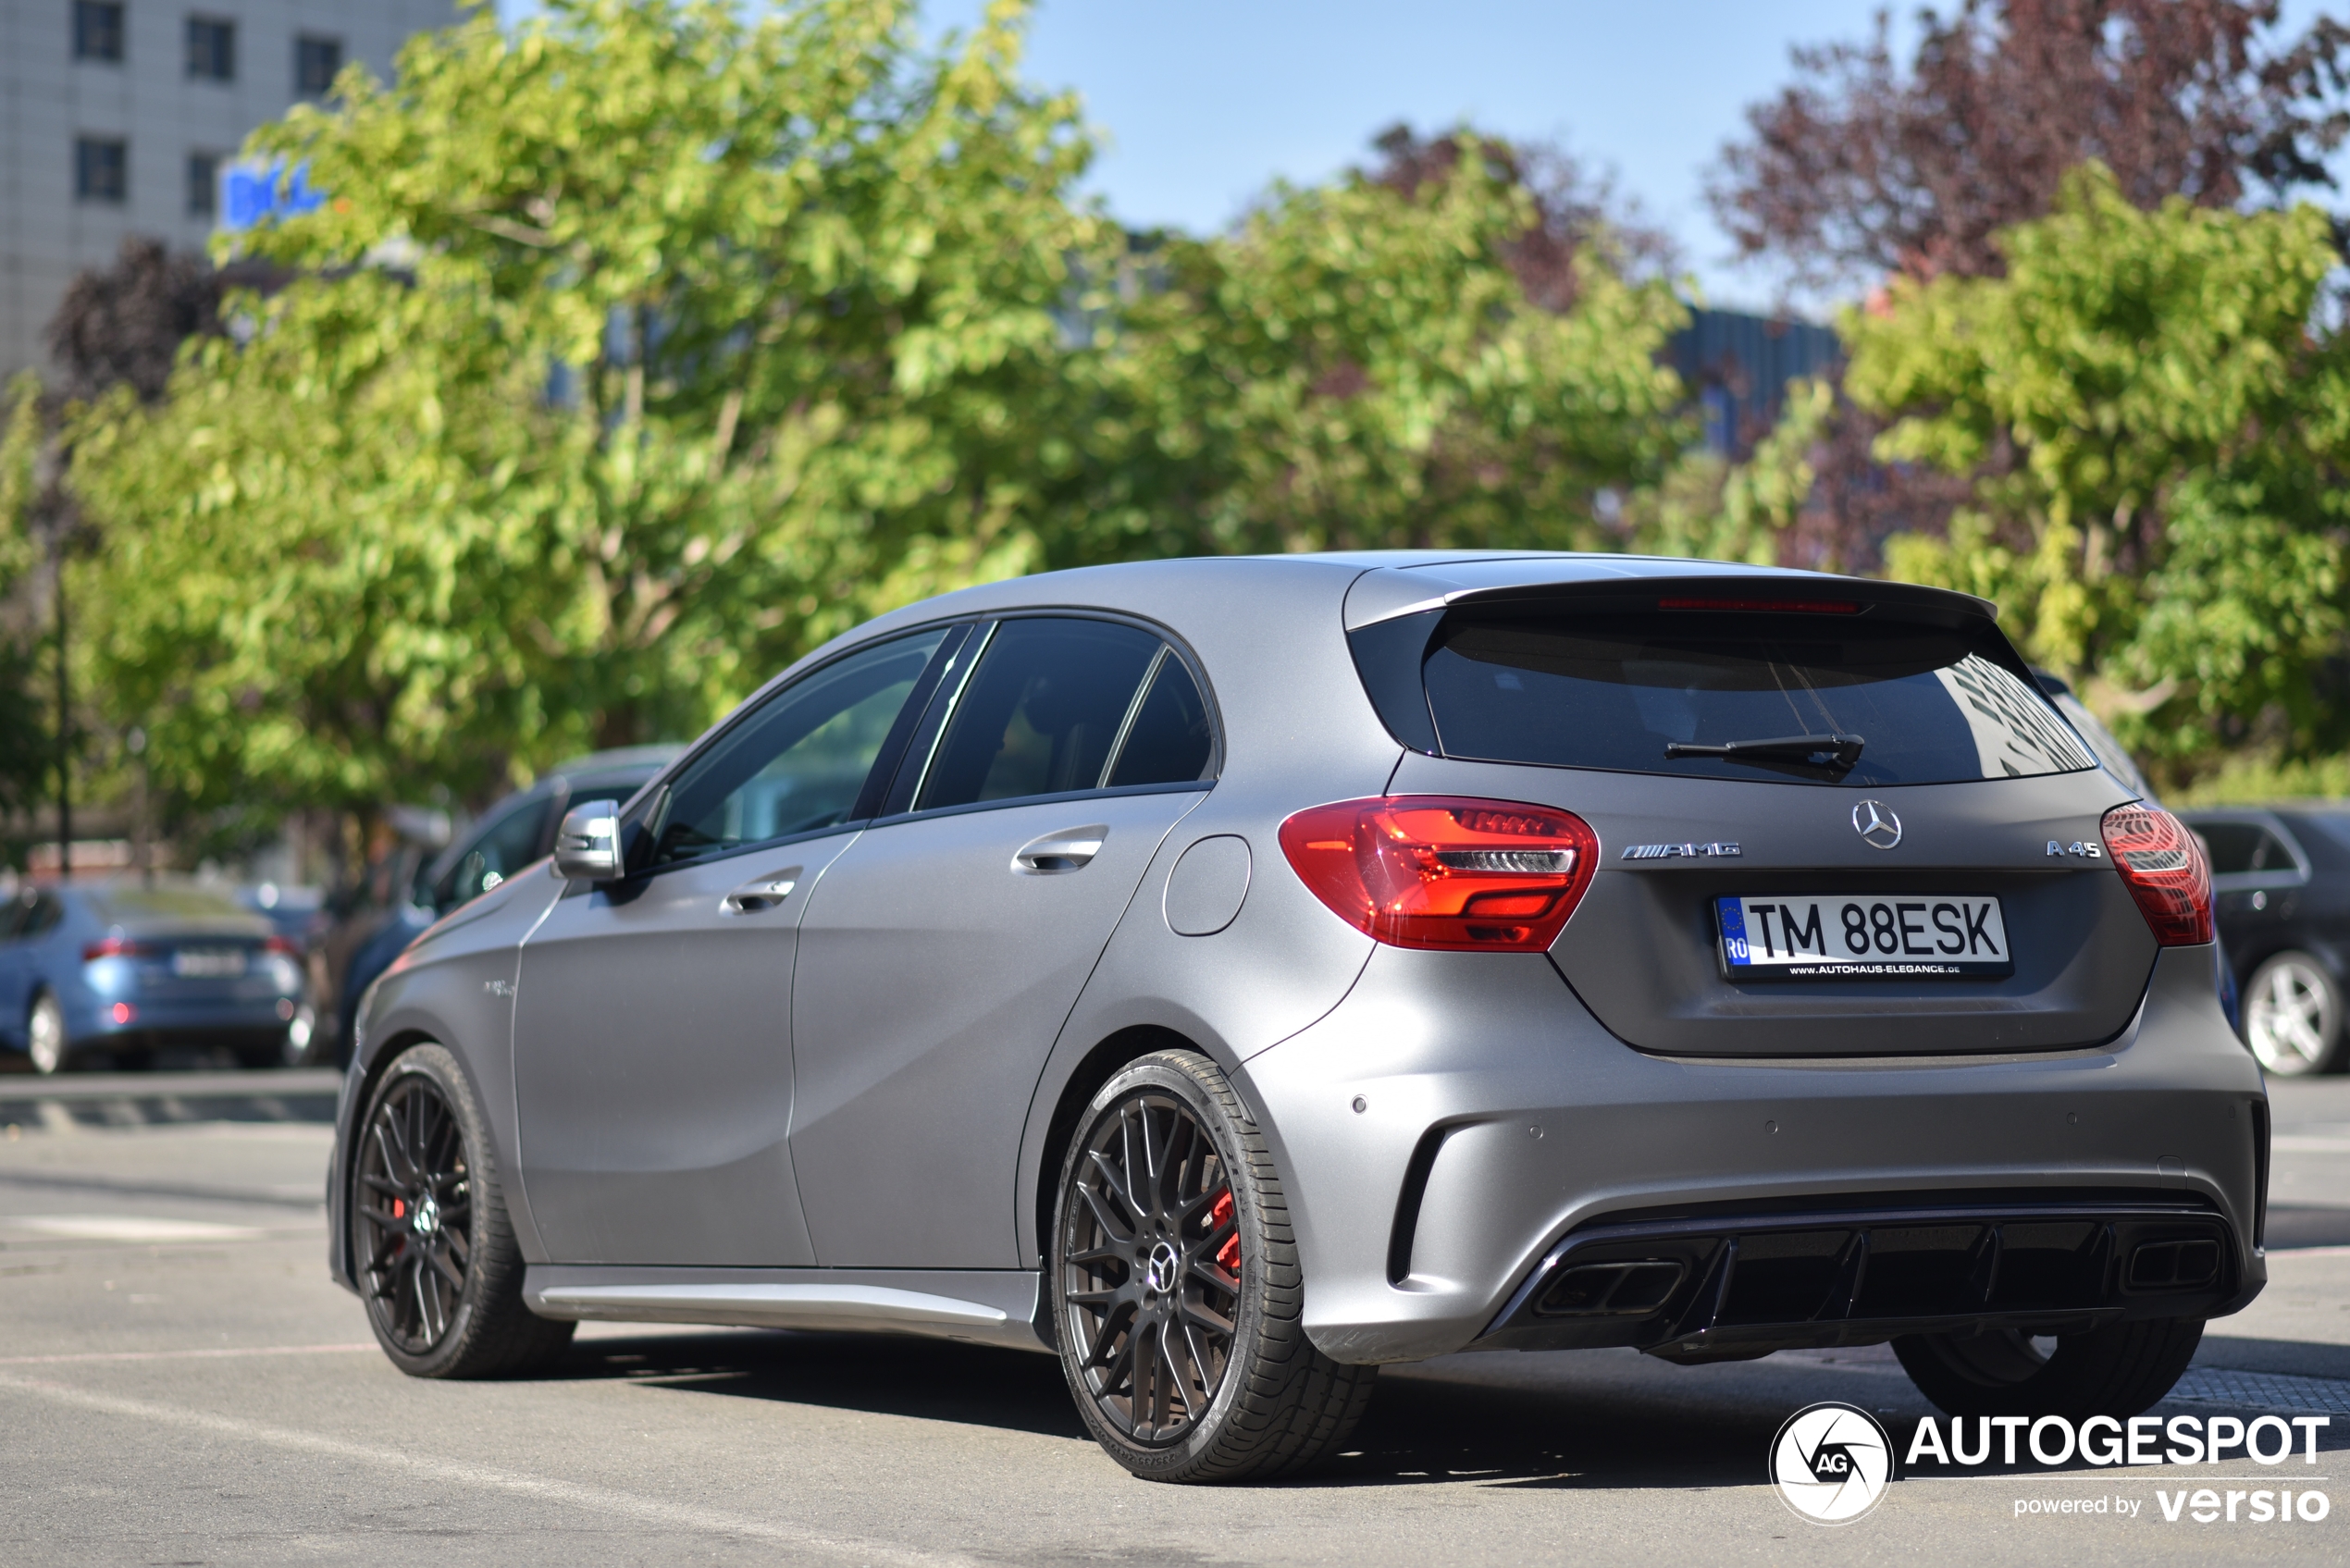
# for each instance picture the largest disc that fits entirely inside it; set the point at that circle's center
(1641, 949)
(941, 1021)
(935, 973)
(653, 1067)
(1207, 886)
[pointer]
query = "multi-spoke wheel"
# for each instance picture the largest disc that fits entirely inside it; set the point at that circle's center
(1179, 1296)
(2293, 1015)
(434, 1252)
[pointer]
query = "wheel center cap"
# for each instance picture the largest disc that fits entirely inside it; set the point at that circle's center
(1163, 1268)
(428, 1219)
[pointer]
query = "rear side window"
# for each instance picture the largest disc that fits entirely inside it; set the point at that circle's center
(1059, 705)
(1171, 738)
(1614, 690)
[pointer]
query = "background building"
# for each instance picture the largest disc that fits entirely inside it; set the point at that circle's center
(115, 117)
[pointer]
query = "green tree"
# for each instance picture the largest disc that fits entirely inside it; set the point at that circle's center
(2155, 423)
(1359, 366)
(636, 351)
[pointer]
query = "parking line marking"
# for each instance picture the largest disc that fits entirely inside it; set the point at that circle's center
(207, 1354)
(644, 1510)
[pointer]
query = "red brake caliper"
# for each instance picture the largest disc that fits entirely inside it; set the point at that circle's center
(1219, 1214)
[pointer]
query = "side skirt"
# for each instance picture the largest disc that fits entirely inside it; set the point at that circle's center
(981, 1307)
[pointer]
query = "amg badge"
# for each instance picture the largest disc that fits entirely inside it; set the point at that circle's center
(1680, 851)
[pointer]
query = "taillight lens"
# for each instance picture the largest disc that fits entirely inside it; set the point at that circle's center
(285, 945)
(1463, 875)
(114, 947)
(2162, 865)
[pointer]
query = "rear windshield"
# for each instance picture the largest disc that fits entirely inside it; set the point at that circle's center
(167, 903)
(1615, 691)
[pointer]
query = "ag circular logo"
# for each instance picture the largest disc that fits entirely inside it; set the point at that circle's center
(1831, 1463)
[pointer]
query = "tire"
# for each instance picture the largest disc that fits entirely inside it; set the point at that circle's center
(2121, 1370)
(44, 1035)
(434, 1254)
(1250, 1397)
(2293, 1015)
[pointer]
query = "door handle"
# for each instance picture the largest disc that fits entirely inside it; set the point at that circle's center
(762, 894)
(1072, 850)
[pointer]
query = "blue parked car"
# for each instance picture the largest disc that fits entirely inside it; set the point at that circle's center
(120, 969)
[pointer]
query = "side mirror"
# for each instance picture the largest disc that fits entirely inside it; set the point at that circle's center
(588, 847)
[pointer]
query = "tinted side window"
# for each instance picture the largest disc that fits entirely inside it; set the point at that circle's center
(795, 765)
(1041, 712)
(1171, 739)
(43, 918)
(501, 849)
(12, 915)
(2244, 846)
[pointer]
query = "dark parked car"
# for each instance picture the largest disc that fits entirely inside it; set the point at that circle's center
(121, 969)
(510, 835)
(1233, 975)
(2281, 879)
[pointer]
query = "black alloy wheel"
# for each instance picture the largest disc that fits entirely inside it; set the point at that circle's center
(434, 1254)
(1151, 1266)
(1180, 1301)
(415, 1215)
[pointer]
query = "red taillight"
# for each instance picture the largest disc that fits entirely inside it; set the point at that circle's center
(285, 945)
(1419, 871)
(2162, 865)
(124, 1012)
(113, 947)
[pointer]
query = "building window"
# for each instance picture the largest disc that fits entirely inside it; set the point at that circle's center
(212, 49)
(97, 30)
(315, 62)
(101, 169)
(203, 184)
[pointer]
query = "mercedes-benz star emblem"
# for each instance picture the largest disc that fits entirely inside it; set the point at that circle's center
(1166, 1265)
(1875, 822)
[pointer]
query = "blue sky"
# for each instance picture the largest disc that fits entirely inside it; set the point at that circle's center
(1201, 104)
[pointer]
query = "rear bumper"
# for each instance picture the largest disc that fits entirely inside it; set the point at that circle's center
(1504, 1131)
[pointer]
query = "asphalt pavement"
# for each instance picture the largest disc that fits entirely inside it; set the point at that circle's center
(179, 1383)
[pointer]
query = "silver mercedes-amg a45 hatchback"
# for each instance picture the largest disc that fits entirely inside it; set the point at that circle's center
(1233, 975)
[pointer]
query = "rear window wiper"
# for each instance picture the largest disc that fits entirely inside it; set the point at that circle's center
(1837, 752)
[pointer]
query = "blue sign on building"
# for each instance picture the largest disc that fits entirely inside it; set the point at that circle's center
(255, 194)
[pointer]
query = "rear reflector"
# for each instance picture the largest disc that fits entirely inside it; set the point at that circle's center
(2162, 865)
(1436, 871)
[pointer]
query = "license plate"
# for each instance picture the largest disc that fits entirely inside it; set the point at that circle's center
(208, 963)
(1863, 936)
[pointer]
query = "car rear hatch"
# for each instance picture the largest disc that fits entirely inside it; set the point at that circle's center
(1914, 867)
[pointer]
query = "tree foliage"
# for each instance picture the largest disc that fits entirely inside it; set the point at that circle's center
(1862, 169)
(642, 347)
(1359, 366)
(633, 351)
(2156, 434)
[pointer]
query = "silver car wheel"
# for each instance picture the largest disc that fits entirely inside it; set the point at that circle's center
(44, 1032)
(2293, 1015)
